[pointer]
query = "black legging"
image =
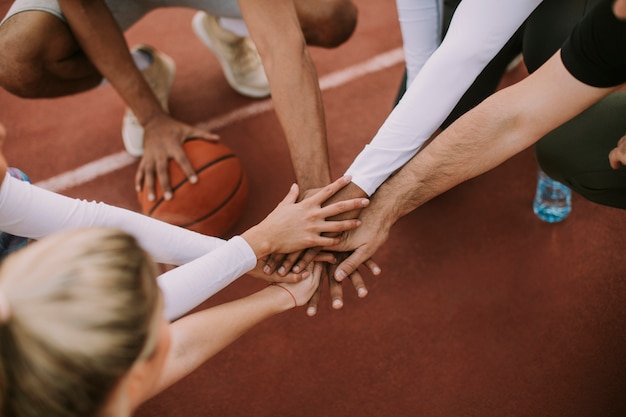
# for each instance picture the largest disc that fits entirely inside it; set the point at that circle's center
(575, 153)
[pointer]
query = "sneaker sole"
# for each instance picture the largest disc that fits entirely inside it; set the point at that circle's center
(198, 28)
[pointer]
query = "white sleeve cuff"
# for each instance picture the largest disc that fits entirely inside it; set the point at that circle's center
(189, 285)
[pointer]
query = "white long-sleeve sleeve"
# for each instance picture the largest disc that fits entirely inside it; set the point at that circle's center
(210, 264)
(29, 211)
(420, 25)
(478, 30)
(187, 286)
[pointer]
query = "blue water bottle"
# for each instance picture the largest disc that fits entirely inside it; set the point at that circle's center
(553, 200)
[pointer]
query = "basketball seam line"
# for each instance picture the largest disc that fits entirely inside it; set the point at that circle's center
(177, 186)
(216, 209)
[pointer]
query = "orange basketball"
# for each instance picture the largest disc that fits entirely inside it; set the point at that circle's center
(211, 206)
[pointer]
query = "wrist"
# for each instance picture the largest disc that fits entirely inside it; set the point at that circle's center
(258, 241)
(285, 299)
(310, 180)
(382, 211)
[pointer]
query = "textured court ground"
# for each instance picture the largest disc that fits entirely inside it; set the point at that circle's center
(482, 310)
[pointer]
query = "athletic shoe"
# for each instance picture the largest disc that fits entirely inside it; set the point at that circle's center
(160, 77)
(237, 55)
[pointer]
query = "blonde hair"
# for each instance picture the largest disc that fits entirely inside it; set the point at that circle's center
(82, 306)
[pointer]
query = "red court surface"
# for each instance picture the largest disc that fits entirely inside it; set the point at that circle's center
(481, 310)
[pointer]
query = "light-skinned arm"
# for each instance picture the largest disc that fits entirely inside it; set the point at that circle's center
(276, 32)
(289, 227)
(501, 126)
(199, 336)
(435, 84)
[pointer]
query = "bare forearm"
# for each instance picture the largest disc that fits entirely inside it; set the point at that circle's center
(501, 126)
(103, 42)
(300, 111)
(199, 336)
(476, 143)
(275, 30)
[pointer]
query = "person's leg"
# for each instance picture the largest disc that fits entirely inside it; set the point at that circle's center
(486, 83)
(41, 58)
(327, 23)
(541, 35)
(488, 80)
(577, 152)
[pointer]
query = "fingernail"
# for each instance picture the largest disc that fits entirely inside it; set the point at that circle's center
(281, 270)
(376, 270)
(340, 275)
(311, 311)
(337, 304)
(365, 202)
(296, 268)
(266, 269)
(362, 292)
(167, 195)
(151, 197)
(193, 179)
(137, 188)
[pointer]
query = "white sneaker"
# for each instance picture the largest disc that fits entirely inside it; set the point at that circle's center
(160, 77)
(237, 55)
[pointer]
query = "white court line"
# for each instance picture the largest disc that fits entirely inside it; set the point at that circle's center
(108, 164)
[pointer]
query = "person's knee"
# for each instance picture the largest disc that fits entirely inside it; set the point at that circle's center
(329, 24)
(41, 58)
(24, 42)
(14, 68)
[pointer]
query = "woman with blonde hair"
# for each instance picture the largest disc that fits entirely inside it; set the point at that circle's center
(84, 319)
(82, 331)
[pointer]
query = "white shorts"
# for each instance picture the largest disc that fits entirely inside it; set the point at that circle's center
(128, 12)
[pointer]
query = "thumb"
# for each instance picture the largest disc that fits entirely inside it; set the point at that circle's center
(292, 195)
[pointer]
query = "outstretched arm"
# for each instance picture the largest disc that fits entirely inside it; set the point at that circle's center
(275, 30)
(291, 226)
(199, 336)
(473, 39)
(29, 211)
(503, 125)
(435, 84)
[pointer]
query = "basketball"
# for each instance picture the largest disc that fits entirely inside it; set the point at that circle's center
(211, 206)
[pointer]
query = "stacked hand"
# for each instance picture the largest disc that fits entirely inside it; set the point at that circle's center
(334, 256)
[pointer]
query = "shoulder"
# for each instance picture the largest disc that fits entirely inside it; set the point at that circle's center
(595, 52)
